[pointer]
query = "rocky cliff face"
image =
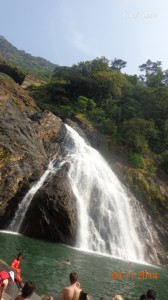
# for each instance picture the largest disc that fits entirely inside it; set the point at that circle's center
(29, 138)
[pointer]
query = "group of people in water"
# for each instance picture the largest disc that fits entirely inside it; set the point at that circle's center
(71, 292)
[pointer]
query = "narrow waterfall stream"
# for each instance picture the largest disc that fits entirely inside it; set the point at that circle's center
(16, 222)
(109, 221)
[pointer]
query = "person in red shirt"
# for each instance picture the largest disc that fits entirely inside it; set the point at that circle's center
(15, 265)
(5, 277)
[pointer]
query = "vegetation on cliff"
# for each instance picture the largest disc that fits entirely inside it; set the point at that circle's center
(37, 66)
(132, 111)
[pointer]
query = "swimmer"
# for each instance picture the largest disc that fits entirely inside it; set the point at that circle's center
(67, 262)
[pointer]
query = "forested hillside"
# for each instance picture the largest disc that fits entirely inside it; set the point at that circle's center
(132, 110)
(37, 66)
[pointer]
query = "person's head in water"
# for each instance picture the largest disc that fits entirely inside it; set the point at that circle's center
(73, 277)
(50, 298)
(117, 297)
(83, 296)
(142, 297)
(151, 295)
(20, 255)
(28, 289)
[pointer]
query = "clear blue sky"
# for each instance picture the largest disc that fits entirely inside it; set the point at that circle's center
(69, 31)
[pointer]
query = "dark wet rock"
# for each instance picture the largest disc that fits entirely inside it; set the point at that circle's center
(54, 215)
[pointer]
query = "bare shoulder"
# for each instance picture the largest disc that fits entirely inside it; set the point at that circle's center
(66, 288)
(67, 293)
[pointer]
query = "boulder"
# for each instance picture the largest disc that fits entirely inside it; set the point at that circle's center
(52, 214)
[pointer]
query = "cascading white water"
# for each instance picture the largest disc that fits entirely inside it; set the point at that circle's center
(109, 221)
(16, 223)
(106, 218)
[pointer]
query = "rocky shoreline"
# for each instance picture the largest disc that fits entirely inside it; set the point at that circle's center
(12, 290)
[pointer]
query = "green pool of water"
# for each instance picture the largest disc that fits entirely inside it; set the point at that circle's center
(101, 276)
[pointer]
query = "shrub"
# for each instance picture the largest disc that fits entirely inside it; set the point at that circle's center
(164, 161)
(137, 161)
(82, 103)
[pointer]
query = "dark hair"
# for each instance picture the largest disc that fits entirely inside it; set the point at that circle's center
(19, 254)
(143, 297)
(28, 289)
(73, 277)
(82, 296)
(151, 294)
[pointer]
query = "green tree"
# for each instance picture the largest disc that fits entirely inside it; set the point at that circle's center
(118, 64)
(89, 67)
(136, 134)
(108, 85)
(82, 103)
(165, 78)
(91, 105)
(164, 161)
(161, 103)
(153, 73)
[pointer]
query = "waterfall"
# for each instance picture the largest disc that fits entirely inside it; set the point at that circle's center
(16, 223)
(109, 219)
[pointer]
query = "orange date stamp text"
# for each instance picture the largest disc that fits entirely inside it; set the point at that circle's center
(143, 275)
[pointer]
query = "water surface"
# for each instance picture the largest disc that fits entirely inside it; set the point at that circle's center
(43, 264)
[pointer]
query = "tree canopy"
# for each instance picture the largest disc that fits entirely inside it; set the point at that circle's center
(132, 110)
